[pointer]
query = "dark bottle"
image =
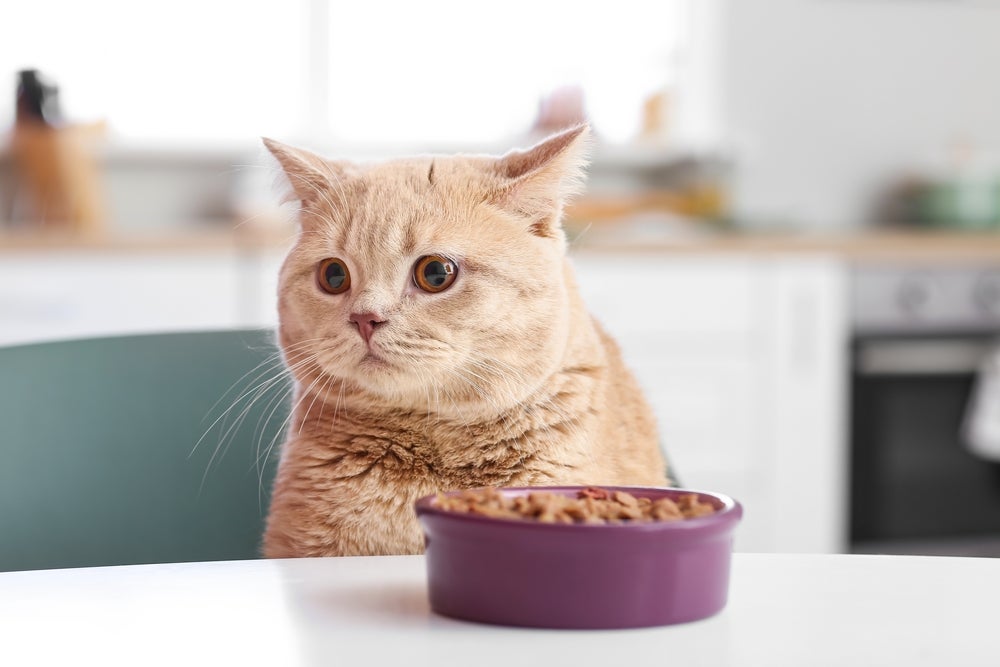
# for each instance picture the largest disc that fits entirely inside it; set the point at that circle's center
(37, 101)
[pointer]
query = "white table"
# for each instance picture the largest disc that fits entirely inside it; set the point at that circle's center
(802, 610)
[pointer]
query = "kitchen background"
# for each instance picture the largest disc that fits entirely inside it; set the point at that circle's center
(801, 197)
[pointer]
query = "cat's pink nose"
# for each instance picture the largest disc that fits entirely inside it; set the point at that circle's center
(366, 324)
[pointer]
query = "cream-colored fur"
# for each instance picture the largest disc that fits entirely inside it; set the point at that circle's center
(503, 379)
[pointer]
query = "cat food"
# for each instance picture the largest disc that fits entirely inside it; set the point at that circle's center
(592, 505)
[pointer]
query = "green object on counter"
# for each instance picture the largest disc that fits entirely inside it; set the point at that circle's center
(963, 205)
(98, 456)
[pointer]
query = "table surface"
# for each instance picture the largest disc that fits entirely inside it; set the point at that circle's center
(783, 610)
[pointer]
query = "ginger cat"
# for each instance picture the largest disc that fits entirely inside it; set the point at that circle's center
(430, 319)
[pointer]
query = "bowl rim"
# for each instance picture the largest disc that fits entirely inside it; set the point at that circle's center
(731, 510)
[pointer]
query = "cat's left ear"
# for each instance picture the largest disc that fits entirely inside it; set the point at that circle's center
(536, 183)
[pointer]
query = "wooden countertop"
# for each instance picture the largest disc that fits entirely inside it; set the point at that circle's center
(208, 239)
(862, 247)
(859, 246)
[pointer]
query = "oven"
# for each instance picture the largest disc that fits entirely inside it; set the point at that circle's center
(925, 370)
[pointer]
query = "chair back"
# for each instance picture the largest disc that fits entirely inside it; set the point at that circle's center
(137, 449)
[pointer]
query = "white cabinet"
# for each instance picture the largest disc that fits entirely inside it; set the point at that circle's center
(743, 360)
(71, 294)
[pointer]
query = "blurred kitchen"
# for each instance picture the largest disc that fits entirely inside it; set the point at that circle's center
(792, 223)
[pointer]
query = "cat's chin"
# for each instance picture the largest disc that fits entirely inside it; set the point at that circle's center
(373, 361)
(393, 386)
(379, 375)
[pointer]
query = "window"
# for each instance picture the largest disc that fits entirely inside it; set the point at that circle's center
(180, 70)
(382, 71)
(447, 70)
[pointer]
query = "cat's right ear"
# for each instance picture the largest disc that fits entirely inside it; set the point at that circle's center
(310, 176)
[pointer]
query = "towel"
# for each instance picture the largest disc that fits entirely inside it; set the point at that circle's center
(981, 424)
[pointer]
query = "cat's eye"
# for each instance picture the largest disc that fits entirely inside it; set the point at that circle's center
(333, 276)
(434, 273)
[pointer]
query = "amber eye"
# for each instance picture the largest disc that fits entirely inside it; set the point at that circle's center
(333, 276)
(434, 273)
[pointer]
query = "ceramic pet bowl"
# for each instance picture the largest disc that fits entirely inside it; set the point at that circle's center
(527, 573)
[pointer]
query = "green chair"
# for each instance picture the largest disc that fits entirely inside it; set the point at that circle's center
(138, 449)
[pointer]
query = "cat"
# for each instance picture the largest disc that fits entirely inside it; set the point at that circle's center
(430, 319)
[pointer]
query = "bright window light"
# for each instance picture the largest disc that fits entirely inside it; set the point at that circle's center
(446, 70)
(190, 70)
(364, 72)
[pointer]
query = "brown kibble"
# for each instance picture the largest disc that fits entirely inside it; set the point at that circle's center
(630, 512)
(593, 492)
(665, 508)
(626, 499)
(692, 507)
(592, 505)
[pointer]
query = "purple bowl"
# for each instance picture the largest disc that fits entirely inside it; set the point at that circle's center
(525, 573)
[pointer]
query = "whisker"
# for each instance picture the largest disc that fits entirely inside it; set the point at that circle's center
(228, 435)
(282, 428)
(274, 373)
(278, 376)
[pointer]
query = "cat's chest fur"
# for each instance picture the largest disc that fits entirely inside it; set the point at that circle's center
(347, 484)
(409, 449)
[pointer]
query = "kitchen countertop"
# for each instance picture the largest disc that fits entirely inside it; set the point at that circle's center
(891, 246)
(220, 236)
(904, 246)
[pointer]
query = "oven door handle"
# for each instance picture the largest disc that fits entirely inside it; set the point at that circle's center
(940, 356)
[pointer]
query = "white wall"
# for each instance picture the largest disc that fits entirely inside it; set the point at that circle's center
(824, 100)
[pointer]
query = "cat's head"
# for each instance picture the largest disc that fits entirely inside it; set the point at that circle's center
(430, 283)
